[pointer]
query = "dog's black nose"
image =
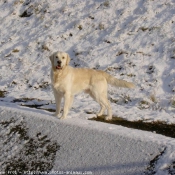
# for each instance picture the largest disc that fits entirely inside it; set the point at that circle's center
(59, 62)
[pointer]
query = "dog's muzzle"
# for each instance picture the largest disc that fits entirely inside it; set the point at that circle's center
(59, 65)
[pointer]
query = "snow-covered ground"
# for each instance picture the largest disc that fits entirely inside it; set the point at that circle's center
(132, 40)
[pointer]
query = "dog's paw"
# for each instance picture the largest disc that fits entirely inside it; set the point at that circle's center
(108, 118)
(99, 114)
(55, 115)
(62, 117)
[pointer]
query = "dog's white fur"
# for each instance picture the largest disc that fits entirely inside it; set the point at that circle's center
(68, 81)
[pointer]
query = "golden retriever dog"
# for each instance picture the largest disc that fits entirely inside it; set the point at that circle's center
(68, 81)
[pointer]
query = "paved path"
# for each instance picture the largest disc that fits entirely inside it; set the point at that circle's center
(84, 146)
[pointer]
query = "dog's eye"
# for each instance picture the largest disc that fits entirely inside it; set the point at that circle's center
(63, 57)
(56, 56)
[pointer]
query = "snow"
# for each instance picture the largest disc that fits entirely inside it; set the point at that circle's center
(132, 40)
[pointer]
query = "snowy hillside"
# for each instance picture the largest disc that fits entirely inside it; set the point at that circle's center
(132, 40)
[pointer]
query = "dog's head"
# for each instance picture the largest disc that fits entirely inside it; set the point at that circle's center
(59, 60)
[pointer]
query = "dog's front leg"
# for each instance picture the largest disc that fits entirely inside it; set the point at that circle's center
(58, 98)
(67, 100)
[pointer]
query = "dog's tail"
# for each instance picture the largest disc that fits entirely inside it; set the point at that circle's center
(117, 82)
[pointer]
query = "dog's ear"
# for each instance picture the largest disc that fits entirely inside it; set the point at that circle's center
(68, 59)
(51, 57)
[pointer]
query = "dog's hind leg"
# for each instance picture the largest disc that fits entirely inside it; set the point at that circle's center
(106, 103)
(102, 109)
(99, 93)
